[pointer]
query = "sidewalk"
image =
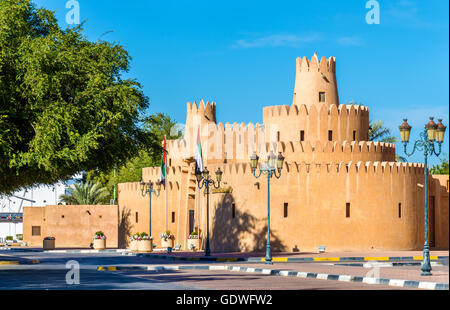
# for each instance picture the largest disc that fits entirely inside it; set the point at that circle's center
(301, 257)
(378, 276)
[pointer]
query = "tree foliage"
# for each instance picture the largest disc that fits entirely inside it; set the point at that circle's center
(377, 132)
(157, 125)
(86, 194)
(64, 107)
(442, 168)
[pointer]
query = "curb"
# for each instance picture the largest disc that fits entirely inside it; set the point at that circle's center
(386, 264)
(19, 262)
(286, 273)
(19, 249)
(289, 259)
(88, 251)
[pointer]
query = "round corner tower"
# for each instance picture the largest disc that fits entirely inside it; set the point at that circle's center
(316, 81)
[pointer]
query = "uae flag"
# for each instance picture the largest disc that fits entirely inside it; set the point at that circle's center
(198, 154)
(162, 177)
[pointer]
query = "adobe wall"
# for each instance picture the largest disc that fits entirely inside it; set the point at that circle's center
(236, 143)
(439, 189)
(33, 216)
(316, 120)
(72, 225)
(317, 208)
(132, 202)
(316, 195)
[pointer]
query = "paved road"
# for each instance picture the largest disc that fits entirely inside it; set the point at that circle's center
(226, 280)
(51, 274)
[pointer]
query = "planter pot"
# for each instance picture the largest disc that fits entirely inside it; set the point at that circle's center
(145, 246)
(49, 244)
(99, 244)
(134, 245)
(195, 243)
(167, 243)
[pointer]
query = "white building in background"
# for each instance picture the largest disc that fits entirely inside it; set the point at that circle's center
(11, 207)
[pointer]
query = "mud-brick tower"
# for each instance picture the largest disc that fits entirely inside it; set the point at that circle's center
(315, 81)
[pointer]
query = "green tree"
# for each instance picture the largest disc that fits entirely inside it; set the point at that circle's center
(157, 125)
(377, 132)
(86, 194)
(442, 168)
(64, 107)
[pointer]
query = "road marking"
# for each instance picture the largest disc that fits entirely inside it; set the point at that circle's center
(10, 262)
(330, 259)
(375, 258)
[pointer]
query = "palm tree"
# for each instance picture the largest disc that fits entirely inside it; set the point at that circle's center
(86, 193)
(377, 132)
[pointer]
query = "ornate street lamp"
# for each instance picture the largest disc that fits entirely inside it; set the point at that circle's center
(148, 188)
(270, 167)
(431, 133)
(205, 180)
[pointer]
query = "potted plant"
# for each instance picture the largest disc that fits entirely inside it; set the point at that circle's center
(145, 243)
(134, 242)
(167, 239)
(99, 240)
(49, 243)
(194, 241)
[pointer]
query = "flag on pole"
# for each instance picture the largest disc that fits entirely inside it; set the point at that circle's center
(198, 154)
(162, 177)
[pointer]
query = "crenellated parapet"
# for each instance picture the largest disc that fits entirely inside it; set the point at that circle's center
(320, 122)
(293, 168)
(323, 66)
(236, 142)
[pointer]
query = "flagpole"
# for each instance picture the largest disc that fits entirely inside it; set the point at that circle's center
(167, 184)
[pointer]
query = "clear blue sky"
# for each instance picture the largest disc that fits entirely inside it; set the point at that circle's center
(241, 54)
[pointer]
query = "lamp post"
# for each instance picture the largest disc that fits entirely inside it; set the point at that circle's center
(431, 133)
(147, 187)
(205, 180)
(270, 168)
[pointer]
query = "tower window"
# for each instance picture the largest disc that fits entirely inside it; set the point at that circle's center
(302, 135)
(347, 209)
(278, 136)
(35, 230)
(322, 97)
(330, 135)
(233, 210)
(354, 135)
(399, 210)
(137, 217)
(173, 217)
(285, 209)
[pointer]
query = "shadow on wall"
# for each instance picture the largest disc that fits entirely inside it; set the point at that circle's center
(124, 228)
(241, 233)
